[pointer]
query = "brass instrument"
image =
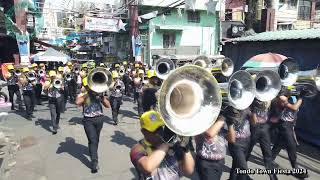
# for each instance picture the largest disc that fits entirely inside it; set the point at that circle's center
(222, 66)
(288, 71)
(163, 67)
(41, 73)
(76, 69)
(239, 92)
(68, 77)
(57, 83)
(202, 61)
(17, 72)
(268, 85)
(189, 100)
(99, 80)
(122, 71)
(31, 76)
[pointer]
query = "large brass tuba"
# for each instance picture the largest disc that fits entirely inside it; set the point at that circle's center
(31, 76)
(99, 80)
(42, 73)
(57, 83)
(202, 61)
(222, 66)
(239, 92)
(268, 85)
(17, 72)
(189, 100)
(163, 67)
(288, 71)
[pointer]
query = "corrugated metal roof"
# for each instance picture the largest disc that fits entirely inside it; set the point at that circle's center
(281, 35)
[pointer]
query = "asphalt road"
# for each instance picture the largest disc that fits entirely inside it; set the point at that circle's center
(43, 156)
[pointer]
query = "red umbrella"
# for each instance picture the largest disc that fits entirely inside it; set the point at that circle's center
(269, 57)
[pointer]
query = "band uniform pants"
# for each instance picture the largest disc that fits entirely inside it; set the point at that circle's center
(92, 127)
(238, 152)
(14, 89)
(55, 111)
(115, 106)
(38, 91)
(286, 140)
(260, 134)
(140, 106)
(29, 101)
(209, 169)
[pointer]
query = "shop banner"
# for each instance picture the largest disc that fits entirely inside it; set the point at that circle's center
(101, 24)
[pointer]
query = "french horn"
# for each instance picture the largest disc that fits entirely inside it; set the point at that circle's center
(189, 100)
(239, 92)
(99, 80)
(163, 67)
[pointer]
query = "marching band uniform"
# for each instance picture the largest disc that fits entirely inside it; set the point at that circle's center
(28, 95)
(286, 137)
(259, 128)
(13, 87)
(211, 148)
(93, 120)
(116, 96)
(149, 99)
(38, 86)
(138, 82)
(55, 101)
(239, 120)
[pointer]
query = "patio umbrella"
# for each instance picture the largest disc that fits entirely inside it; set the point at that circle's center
(265, 60)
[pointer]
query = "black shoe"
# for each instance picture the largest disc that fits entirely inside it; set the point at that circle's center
(29, 118)
(301, 176)
(95, 167)
(12, 108)
(54, 132)
(32, 116)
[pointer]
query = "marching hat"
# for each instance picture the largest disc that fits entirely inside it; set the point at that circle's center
(151, 121)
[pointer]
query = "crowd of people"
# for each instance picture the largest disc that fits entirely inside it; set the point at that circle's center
(161, 154)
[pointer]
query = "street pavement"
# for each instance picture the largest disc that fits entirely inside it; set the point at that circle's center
(42, 156)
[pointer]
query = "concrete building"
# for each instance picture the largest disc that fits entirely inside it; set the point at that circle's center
(178, 31)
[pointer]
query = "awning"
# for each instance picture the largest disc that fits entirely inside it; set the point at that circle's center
(51, 55)
(169, 27)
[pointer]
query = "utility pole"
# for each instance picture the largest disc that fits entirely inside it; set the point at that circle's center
(134, 26)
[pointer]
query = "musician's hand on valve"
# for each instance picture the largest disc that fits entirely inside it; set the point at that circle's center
(184, 143)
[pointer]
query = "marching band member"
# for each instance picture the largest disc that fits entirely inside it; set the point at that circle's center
(93, 119)
(38, 87)
(238, 121)
(138, 84)
(211, 148)
(149, 99)
(71, 83)
(127, 81)
(259, 127)
(156, 158)
(13, 87)
(54, 90)
(117, 89)
(28, 92)
(286, 137)
(60, 75)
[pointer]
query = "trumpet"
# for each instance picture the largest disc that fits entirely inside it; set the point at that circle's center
(239, 92)
(99, 80)
(189, 100)
(57, 83)
(163, 67)
(41, 73)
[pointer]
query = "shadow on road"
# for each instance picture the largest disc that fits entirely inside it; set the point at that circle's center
(126, 98)
(129, 114)
(44, 123)
(75, 120)
(108, 120)
(76, 150)
(121, 139)
(256, 160)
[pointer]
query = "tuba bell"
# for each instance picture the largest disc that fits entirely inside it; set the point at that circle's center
(31, 76)
(239, 92)
(288, 71)
(99, 80)
(163, 67)
(223, 66)
(202, 61)
(17, 72)
(57, 83)
(68, 77)
(41, 73)
(189, 100)
(268, 85)
(122, 71)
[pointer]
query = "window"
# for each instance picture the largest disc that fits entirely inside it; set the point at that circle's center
(304, 11)
(193, 17)
(169, 40)
(291, 4)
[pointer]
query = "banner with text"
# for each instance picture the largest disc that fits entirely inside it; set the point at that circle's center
(101, 24)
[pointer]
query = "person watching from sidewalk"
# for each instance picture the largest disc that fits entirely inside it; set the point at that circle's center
(157, 156)
(93, 119)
